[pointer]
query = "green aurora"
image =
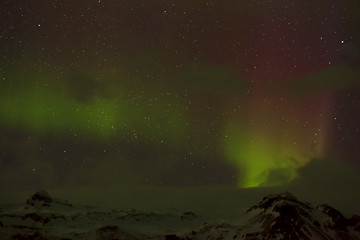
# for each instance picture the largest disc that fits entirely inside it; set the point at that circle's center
(43, 104)
(176, 93)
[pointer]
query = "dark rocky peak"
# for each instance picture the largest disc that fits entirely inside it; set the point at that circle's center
(330, 211)
(188, 215)
(334, 214)
(43, 199)
(355, 220)
(338, 221)
(283, 216)
(283, 202)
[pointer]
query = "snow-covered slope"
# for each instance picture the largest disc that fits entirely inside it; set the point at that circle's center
(279, 216)
(282, 216)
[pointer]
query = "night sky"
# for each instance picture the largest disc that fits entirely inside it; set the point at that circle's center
(176, 93)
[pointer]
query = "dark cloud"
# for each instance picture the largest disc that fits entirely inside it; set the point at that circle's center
(278, 176)
(330, 181)
(328, 175)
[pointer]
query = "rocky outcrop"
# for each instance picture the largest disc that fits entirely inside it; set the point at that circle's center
(43, 199)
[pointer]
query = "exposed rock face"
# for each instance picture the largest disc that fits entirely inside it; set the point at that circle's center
(172, 237)
(188, 215)
(283, 216)
(42, 197)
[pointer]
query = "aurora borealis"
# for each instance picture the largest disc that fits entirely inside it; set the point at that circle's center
(179, 93)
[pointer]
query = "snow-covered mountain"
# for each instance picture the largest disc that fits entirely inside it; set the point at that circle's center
(278, 216)
(282, 216)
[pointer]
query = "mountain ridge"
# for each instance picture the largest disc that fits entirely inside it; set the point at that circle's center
(277, 216)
